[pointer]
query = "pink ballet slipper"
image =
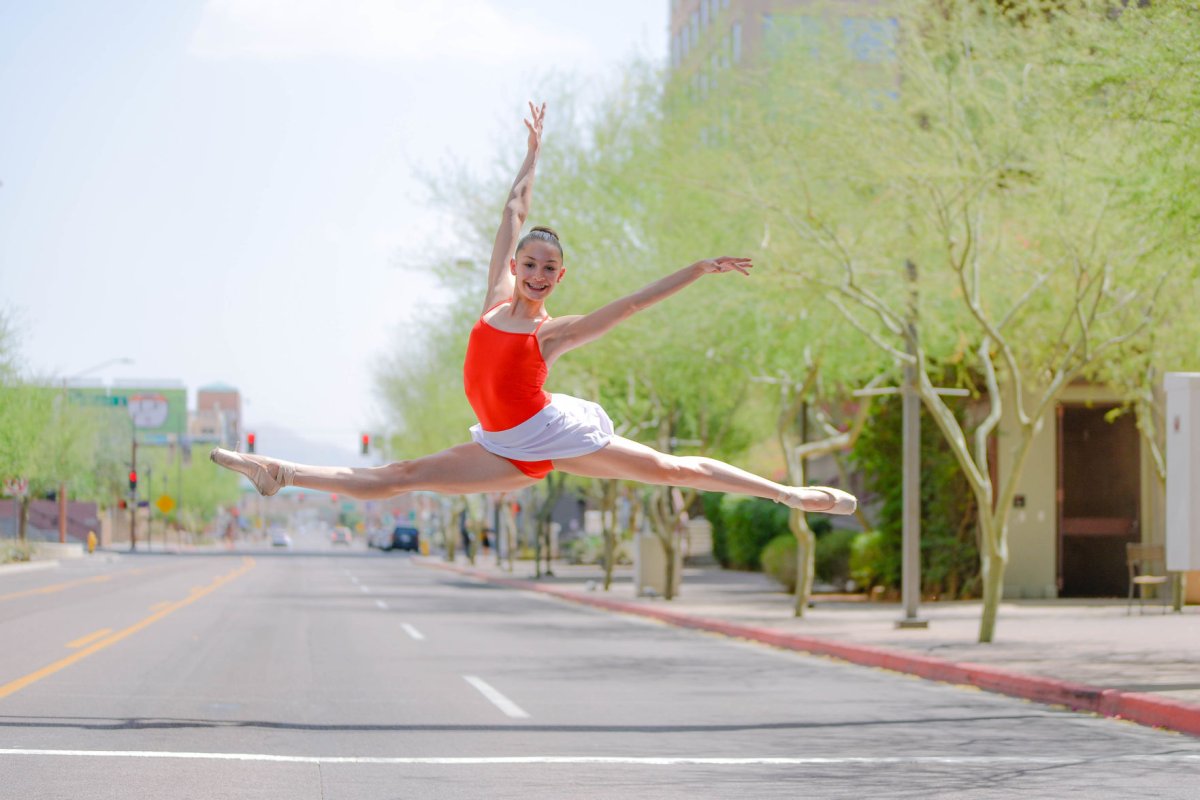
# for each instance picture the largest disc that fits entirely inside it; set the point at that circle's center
(266, 483)
(835, 502)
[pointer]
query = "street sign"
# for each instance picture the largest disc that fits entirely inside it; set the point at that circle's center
(165, 504)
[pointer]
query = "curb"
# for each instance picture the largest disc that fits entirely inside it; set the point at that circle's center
(26, 566)
(1143, 709)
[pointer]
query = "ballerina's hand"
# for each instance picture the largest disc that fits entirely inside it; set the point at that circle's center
(535, 127)
(727, 264)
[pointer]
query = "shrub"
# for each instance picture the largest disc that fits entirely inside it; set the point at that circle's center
(750, 524)
(872, 561)
(779, 560)
(949, 557)
(833, 556)
(13, 550)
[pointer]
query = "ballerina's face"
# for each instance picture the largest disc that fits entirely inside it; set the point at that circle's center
(538, 268)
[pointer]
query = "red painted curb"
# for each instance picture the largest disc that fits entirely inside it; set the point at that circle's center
(1144, 709)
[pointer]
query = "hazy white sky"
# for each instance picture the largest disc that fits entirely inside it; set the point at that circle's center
(221, 190)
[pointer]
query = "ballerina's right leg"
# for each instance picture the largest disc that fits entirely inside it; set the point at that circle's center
(463, 469)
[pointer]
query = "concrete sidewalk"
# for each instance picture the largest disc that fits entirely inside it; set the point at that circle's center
(1089, 655)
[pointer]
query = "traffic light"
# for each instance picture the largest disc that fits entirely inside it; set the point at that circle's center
(249, 442)
(133, 480)
(366, 443)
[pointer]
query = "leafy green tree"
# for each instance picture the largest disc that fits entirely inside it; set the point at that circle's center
(1005, 157)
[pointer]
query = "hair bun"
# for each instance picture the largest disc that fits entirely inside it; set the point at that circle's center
(544, 229)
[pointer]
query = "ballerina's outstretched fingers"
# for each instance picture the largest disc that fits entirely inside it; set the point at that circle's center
(524, 432)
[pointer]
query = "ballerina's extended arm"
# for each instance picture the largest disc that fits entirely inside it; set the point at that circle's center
(566, 333)
(516, 209)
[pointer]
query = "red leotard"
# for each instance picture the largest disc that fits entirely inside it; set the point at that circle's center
(503, 375)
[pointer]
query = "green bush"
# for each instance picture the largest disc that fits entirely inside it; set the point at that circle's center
(873, 562)
(779, 560)
(750, 524)
(949, 557)
(833, 556)
(12, 550)
(714, 513)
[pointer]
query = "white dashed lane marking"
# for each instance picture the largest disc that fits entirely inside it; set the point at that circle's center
(500, 701)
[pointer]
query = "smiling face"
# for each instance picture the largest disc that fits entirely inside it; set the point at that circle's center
(537, 268)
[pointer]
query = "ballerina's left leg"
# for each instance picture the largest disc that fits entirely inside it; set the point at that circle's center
(624, 458)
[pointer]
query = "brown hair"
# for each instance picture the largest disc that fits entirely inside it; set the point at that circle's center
(541, 234)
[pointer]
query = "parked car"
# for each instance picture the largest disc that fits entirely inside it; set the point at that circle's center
(280, 538)
(341, 535)
(402, 537)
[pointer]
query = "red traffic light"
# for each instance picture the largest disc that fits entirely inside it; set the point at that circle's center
(249, 442)
(132, 480)
(366, 443)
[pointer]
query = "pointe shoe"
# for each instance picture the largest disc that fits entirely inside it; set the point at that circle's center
(257, 473)
(839, 502)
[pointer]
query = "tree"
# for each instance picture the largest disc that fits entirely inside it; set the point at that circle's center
(1004, 161)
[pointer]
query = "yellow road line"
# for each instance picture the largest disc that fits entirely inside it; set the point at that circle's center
(55, 587)
(82, 640)
(20, 683)
(162, 604)
(58, 587)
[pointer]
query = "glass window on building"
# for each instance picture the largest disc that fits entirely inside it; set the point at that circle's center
(870, 40)
(735, 43)
(784, 33)
(695, 20)
(704, 19)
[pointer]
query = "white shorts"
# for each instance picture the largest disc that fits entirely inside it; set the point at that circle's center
(566, 428)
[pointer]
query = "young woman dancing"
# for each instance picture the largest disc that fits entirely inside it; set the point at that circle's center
(523, 431)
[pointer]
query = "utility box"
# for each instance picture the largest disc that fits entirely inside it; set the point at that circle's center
(1183, 470)
(650, 567)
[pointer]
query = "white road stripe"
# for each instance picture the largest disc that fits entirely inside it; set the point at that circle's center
(500, 701)
(381, 604)
(364, 590)
(413, 632)
(650, 761)
(353, 579)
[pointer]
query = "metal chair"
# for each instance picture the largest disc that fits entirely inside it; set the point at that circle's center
(1140, 558)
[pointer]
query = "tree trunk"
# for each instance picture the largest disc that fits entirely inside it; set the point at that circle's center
(554, 483)
(608, 522)
(993, 565)
(23, 520)
(806, 550)
(669, 549)
(665, 521)
(450, 533)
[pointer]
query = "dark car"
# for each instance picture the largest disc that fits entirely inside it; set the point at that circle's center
(403, 537)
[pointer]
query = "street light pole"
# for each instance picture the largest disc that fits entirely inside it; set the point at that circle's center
(910, 583)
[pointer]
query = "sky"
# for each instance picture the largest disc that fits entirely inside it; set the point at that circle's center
(226, 190)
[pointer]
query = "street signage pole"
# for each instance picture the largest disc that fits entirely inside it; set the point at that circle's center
(910, 547)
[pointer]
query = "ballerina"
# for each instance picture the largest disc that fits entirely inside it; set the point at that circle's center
(525, 432)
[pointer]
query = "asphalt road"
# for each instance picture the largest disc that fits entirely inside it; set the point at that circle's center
(347, 674)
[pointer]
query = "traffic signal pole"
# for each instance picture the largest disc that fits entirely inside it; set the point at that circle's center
(133, 497)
